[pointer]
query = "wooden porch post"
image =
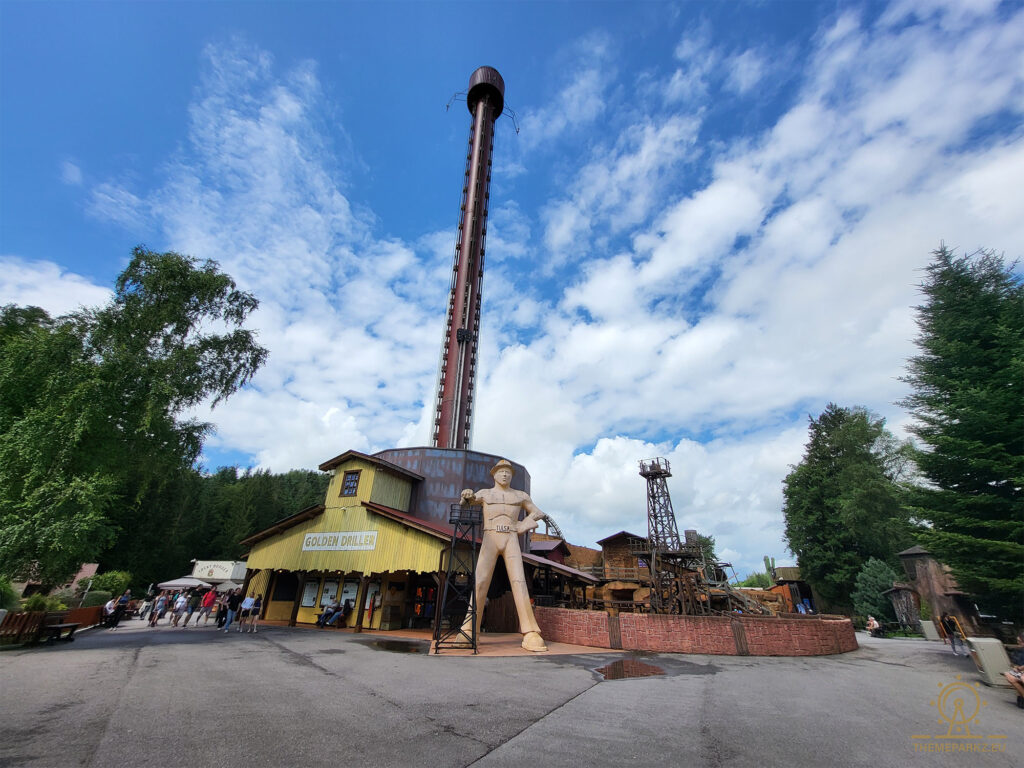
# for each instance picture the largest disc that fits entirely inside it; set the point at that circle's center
(364, 585)
(298, 598)
(249, 573)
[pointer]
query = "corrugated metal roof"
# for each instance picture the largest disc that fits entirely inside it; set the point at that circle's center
(620, 533)
(547, 545)
(284, 524)
(385, 465)
(787, 573)
(426, 526)
(543, 561)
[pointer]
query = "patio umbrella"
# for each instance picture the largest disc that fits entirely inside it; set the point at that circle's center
(224, 586)
(185, 582)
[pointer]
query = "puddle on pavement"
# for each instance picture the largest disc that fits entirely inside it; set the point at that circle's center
(397, 646)
(624, 669)
(332, 650)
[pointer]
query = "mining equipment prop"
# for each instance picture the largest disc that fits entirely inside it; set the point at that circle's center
(682, 581)
(458, 593)
(453, 412)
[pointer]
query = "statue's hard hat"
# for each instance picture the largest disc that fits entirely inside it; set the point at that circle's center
(503, 464)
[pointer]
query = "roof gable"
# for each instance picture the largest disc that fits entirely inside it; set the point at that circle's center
(386, 466)
(620, 534)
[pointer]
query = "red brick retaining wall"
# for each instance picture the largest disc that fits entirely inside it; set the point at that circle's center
(561, 625)
(785, 635)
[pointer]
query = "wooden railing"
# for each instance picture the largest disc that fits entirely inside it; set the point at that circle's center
(611, 573)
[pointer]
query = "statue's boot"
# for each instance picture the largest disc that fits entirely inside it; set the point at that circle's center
(532, 641)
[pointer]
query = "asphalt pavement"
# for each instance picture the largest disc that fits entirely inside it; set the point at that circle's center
(304, 697)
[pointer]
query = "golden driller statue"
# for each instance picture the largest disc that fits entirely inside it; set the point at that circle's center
(502, 527)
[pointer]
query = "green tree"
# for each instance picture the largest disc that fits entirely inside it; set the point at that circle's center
(8, 597)
(842, 502)
(875, 577)
(968, 402)
(115, 582)
(92, 406)
(756, 579)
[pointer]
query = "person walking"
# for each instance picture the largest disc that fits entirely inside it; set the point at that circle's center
(180, 606)
(234, 600)
(193, 606)
(254, 612)
(952, 629)
(159, 605)
(205, 606)
(246, 606)
(222, 609)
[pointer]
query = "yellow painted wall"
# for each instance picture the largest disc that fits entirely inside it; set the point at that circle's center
(374, 485)
(390, 491)
(334, 497)
(259, 585)
(398, 548)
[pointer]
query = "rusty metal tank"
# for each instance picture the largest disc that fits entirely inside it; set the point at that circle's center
(445, 472)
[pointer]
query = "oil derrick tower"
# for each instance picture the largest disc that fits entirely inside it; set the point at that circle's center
(681, 580)
(453, 412)
(674, 567)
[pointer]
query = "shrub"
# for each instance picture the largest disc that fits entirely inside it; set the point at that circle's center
(8, 597)
(66, 596)
(756, 579)
(96, 597)
(40, 602)
(115, 582)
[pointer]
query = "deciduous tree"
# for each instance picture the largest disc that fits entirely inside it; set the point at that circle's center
(92, 405)
(842, 502)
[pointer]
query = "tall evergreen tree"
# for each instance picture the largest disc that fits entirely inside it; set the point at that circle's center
(842, 502)
(874, 578)
(968, 402)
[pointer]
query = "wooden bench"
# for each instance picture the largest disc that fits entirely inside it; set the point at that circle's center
(54, 632)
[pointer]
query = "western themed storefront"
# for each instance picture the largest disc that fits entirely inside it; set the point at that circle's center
(377, 541)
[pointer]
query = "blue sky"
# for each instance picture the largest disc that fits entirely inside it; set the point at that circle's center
(711, 223)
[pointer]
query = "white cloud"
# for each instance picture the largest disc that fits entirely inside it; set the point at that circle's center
(70, 174)
(785, 282)
(47, 285)
(579, 102)
(111, 202)
(745, 71)
(619, 188)
(693, 300)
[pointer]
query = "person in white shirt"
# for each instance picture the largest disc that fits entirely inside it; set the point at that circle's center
(180, 606)
(246, 607)
(108, 613)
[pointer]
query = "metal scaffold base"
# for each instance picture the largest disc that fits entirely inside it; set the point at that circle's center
(455, 625)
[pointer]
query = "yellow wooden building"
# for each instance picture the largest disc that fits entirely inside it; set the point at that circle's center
(379, 539)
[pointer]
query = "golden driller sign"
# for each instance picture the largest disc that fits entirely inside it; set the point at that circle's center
(339, 541)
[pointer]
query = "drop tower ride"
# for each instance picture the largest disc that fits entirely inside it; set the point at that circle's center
(453, 410)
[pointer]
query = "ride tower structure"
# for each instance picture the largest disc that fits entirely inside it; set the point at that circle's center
(682, 580)
(453, 411)
(674, 566)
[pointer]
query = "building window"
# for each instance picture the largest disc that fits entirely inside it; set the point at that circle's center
(349, 483)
